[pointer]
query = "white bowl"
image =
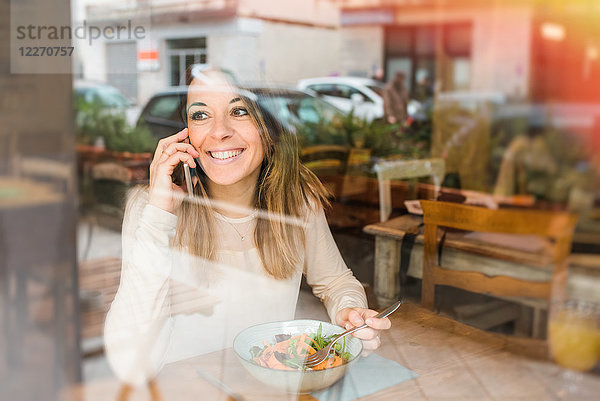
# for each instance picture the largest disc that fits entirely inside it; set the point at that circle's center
(292, 381)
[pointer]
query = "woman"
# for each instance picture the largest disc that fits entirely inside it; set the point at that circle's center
(197, 270)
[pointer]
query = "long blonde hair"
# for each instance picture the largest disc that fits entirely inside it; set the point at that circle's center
(285, 187)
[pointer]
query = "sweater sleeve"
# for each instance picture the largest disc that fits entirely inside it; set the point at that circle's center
(325, 270)
(138, 325)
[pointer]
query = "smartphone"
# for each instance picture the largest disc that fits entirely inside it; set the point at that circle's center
(187, 174)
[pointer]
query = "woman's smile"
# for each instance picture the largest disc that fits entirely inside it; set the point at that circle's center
(225, 155)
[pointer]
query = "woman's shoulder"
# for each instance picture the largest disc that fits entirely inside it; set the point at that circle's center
(138, 209)
(313, 211)
(136, 199)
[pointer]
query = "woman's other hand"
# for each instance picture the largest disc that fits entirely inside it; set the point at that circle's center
(355, 317)
(170, 151)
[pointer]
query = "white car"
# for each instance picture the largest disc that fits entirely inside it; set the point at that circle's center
(363, 95)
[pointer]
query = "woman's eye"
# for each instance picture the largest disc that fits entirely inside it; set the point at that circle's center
(199, 115)
(239, 112)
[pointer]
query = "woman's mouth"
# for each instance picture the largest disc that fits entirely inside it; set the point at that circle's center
(226, 154)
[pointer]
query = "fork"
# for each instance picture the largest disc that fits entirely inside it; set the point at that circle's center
(318, 357)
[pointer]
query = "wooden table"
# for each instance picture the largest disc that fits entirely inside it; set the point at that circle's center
(454, 362)
(17, 193)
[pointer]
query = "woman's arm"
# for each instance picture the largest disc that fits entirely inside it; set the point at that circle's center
(325, 270)
(138, 325)
(342, 294)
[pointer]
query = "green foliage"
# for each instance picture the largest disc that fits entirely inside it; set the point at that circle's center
(94, 121)
(320, 133)
(383, 139)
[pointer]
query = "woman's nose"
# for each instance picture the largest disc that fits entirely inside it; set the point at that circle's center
(221, 129)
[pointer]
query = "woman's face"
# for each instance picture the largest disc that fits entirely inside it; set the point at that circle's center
(223, 132)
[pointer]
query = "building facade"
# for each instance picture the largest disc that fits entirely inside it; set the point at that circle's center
(459, 48)
(528, 50)
(258, 41)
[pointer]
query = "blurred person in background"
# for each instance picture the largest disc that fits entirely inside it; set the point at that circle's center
(527, 166)
(198, 270)
(424, 88)
(395, 100)
(378, 74)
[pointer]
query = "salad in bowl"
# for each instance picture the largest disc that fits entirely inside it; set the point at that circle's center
(274, 354)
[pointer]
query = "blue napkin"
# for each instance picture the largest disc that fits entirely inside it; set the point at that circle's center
(369, 375)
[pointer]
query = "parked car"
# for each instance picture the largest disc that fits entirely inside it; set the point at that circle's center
(108, 96)
(293, 108)
(364, 96)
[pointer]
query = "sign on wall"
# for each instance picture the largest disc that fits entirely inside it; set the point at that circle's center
(148, 55)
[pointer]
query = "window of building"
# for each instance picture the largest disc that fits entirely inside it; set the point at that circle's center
(182, 53)
(457, 40)
(415, 50)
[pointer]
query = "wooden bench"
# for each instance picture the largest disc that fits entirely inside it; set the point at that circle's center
(584, 274)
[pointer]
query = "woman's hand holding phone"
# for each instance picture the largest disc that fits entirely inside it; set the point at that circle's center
(169, 153)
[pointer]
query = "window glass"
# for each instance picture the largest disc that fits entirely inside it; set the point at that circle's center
(324, 89)
(346, 91)
(184, 53)
(174, 66)
(164, 107)
(425, 41)
(309, 107)
(461, 73)
(308, 112)
(399, 41)
(278, 106)
(111, 97)
(294, 109)
(376, 88)
(105, 95)
(457, 40)
(187, 43)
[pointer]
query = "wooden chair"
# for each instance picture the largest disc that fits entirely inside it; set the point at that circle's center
(104, 198)
(329, 163)
(555, 226)
(58, 173)
(403, 170)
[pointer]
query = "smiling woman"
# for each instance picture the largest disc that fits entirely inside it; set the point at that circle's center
(249, 183)
(249, 161)
(223, 131)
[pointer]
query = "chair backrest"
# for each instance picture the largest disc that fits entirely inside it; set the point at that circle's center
(335, 156)
(329, 163)
(61, 173)
(403, 170)
(556, 226)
